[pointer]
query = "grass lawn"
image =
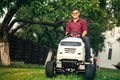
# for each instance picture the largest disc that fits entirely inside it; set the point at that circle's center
(36, 72)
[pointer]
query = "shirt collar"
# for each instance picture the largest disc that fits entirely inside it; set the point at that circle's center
(77, 20)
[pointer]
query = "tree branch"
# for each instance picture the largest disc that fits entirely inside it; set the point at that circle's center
(8, 17)
(54, 24)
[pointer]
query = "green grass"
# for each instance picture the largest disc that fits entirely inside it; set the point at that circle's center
(37, 72)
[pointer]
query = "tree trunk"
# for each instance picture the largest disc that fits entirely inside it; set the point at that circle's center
(4, 53)
(4, 45)
(49, 57)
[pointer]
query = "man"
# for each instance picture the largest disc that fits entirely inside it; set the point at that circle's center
(76, 26)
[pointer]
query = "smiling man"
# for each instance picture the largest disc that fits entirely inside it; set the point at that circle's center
(76, 26)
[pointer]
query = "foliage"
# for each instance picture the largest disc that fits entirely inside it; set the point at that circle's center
(115, 8)
(61, 9)
(95, 36)
(11, 3)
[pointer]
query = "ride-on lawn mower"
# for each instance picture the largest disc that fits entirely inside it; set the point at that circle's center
(71, 58)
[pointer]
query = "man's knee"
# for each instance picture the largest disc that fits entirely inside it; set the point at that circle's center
(85, 39)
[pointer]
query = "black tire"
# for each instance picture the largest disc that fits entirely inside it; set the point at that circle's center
(50, 69)
(90, 72)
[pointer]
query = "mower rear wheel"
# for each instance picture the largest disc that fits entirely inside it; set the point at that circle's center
(90, 72)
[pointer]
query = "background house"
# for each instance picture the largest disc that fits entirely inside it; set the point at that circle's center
(110, 55)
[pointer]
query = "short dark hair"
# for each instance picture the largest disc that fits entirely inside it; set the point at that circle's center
(75, 8)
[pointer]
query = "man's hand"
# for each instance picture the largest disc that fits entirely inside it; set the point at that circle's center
(67, 33)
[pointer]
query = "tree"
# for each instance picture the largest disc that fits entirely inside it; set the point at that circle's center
(51, 15)
(12, 6)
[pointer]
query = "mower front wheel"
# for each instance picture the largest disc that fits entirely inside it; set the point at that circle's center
(50, 69)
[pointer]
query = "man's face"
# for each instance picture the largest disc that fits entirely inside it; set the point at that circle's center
(75, 14)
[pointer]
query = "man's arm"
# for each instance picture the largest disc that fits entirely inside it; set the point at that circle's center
(84, 33)
(85, 28)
